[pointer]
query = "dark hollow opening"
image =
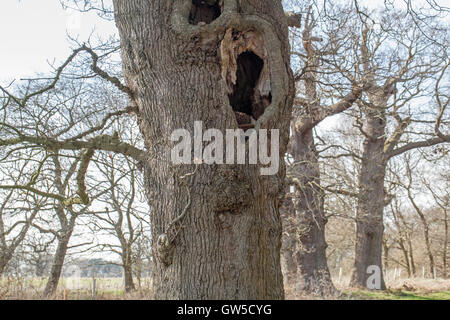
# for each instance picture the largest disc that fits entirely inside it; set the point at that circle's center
(245, 105)
(204, 11)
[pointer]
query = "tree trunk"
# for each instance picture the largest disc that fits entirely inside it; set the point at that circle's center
(386, 249)
(128, 271)
(57, 265)
(5, 257)
(411, 257)
(426, 234)
(426, 229)
(216, 232)
(289, 245)
(3, 263)
(406, 255)
(128, 278)
(369, 215)
(313, 276)
(400, 223)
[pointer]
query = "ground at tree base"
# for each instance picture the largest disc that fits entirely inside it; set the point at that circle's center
(403, 289)
(111, 289)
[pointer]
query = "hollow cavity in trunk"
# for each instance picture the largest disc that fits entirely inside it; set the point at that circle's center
(204, 11)
(246, 104)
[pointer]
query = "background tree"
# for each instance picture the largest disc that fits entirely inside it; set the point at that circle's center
(37, 253)
(62, 121)
(15, 222)
(398, 64)
(322, 56)
(126, 215)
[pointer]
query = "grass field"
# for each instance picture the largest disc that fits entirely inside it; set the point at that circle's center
(73, 289)
(409, 289)
(112, 289)
(400, 295)
(403, 289)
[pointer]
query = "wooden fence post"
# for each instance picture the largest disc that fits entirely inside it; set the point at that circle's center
(340, 275)
(93, 284)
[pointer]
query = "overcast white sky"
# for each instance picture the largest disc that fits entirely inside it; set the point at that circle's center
(34, 33)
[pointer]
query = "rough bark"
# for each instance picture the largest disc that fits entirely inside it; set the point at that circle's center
(304, 245)
(216, 231)
(311, 273)
(369, 215)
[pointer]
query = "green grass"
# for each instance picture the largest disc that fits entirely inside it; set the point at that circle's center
(400, 295)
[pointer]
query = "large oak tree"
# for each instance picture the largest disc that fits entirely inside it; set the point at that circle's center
(216, 229)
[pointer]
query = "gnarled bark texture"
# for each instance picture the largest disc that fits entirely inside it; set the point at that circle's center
(182, 68)
(369, 215)
(304, 220)
(305, 255)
